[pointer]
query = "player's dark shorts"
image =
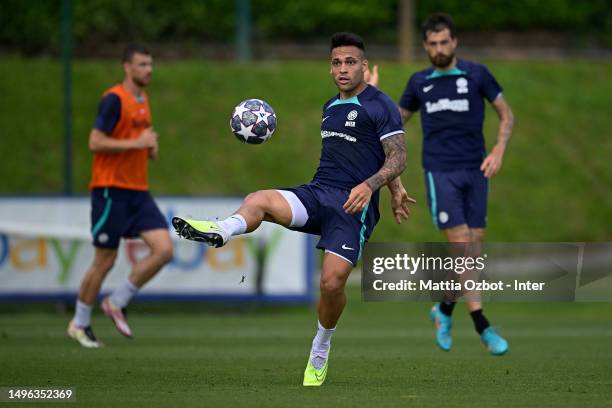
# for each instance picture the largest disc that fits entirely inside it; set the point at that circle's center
(341, 234)
(457, 197)
(117, 213)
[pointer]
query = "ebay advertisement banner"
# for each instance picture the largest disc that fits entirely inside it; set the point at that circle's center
(45, 248)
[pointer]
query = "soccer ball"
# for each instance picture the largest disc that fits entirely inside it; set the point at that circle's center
(253, 121)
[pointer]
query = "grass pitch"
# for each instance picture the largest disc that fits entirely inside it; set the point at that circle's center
(382, 354)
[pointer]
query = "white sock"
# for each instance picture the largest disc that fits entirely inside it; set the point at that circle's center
(82, 314)
(234, 225)
(123, 294)
(320, 346)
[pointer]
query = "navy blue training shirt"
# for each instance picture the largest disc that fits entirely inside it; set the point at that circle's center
(352, 130)
(109, 112)
(452, 113)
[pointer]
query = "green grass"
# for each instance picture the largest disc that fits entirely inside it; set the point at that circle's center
(556, 184)
(383, 354)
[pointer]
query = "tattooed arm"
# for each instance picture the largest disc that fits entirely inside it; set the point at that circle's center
(395, 163)
(400, 200)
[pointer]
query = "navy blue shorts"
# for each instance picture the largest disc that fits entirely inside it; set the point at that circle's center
(117, 213)
(341, 234)
(457, 197)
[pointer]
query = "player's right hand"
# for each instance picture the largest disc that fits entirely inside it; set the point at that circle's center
(147, 139)
(358, 198)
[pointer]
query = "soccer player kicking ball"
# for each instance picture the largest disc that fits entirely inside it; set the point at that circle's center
(450, 95)
(363, 150)
(122, 141)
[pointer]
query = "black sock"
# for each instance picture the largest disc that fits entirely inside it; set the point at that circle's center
(447, 307)
(480, 321)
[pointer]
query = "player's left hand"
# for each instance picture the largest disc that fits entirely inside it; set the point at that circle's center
(493, 162)
(400, 204)
(358, 198)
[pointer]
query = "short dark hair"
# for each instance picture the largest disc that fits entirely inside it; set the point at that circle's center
(346, 39)
(131, 49)
(438, 22)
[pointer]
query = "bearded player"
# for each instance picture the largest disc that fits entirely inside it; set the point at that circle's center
(450, 95)
(122, 141)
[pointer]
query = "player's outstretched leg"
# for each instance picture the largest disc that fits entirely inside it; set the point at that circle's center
(263, 205)
(440, 314)
(334, 273)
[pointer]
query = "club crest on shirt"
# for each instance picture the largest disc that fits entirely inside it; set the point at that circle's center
(352, 115)
(462, 86)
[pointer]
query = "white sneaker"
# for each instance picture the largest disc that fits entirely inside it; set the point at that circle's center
(84, 335)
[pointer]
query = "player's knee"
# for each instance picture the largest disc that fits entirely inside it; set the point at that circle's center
(460, 233)
(105, 262)
(165, 252)
(477, 234)
(258, 199)
(331, 284)
(162, 249)
(250, 197)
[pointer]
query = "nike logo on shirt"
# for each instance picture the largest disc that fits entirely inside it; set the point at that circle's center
(428, 88)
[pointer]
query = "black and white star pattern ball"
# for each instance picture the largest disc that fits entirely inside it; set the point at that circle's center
(253, 121)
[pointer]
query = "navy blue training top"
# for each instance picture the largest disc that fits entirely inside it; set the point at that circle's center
(352, 130)
(452, 113)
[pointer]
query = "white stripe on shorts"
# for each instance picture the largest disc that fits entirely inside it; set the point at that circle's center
(299, 215)
(339, 256)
